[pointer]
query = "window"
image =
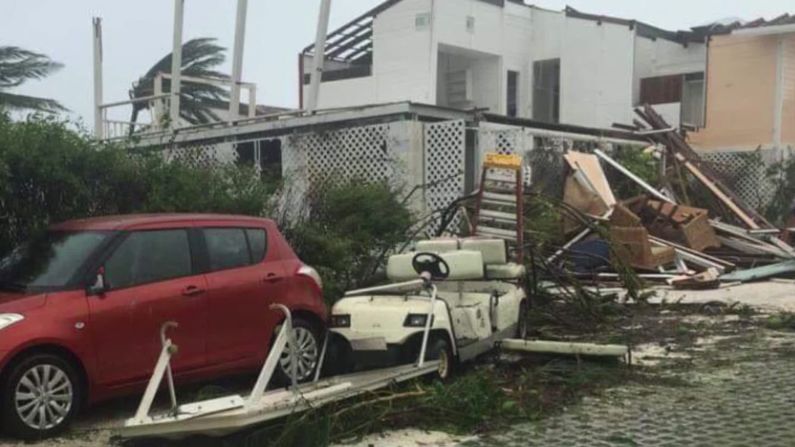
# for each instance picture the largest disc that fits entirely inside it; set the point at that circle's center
(149, 256)
(264, 154)
(258, 242)
(687, 89)
(513, 94)
(546, 91)
(661, 90)
(49, 261)
(693, 100)
(227, 248)
(422, 21)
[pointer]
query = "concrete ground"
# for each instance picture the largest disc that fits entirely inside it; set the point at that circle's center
(731, 386)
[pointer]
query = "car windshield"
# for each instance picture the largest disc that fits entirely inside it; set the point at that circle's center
(49, 261)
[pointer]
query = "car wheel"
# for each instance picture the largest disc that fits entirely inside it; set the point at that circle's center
(40, 397)
(308, 355)
(522, 328)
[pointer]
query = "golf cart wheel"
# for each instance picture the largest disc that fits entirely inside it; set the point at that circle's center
(41, 394)
(439, 349)
(522, 327)
(309, 345)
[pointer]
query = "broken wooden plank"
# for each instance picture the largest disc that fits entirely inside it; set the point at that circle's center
(717, 192)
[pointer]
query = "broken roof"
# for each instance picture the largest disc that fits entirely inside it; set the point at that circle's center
(739, 25)
(643, 29)
(353, 43)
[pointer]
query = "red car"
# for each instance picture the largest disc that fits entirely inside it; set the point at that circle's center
(81, 308)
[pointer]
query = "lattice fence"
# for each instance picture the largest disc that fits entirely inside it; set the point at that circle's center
(746, 174)
(357, 153)
(445, 151)
(202, 155)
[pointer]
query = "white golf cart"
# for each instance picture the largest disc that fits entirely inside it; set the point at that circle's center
(480, 302)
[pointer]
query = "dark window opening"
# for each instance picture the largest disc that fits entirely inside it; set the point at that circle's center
(513, 94)
(546, 91)
(265, 153)
(661, 90)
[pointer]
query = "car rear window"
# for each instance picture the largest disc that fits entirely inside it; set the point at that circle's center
(149, 256)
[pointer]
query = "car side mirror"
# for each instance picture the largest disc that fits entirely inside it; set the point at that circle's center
(100, 286)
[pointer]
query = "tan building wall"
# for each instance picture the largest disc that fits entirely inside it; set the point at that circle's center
(788, 118)
(741, 85)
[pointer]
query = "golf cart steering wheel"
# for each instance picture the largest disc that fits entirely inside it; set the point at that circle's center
(431, 264)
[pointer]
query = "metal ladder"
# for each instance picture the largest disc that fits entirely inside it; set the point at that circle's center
(499, 210)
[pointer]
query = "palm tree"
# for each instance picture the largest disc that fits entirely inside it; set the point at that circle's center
(18, 66)
(199, 58)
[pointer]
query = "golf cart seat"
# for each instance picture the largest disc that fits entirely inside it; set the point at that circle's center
(464, 266)
(495, 257)
(494, 252)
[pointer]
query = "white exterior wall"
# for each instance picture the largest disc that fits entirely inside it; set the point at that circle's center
(601, 64)
(596, 73)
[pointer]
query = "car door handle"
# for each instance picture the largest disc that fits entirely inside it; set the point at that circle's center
(192, 291)
(272, 277)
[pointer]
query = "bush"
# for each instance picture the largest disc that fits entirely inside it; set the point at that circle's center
(345, 231)
(51, 173)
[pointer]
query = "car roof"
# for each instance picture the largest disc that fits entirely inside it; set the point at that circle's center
(150, 221)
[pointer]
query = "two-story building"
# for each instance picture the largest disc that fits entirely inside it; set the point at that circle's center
(513, 59)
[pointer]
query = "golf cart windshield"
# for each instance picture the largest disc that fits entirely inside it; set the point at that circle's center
(50, 261)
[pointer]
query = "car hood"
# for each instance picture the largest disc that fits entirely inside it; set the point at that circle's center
(20, 302)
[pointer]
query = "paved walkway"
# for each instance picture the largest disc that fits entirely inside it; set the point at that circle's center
(747, 403)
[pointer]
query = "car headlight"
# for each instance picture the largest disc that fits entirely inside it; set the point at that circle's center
(416, 320)
(7, 320)
(340, 321)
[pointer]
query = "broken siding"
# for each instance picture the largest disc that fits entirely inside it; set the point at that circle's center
(739, 67)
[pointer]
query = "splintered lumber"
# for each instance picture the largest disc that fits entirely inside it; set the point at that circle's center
(676, 145)
(696, 257)
(566, 348)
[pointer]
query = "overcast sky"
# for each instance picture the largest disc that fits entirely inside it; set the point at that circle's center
(138, 32)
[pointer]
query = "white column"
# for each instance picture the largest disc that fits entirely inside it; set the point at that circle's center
(176, 62)
(320, 55)
(98, 94)
(237, 60)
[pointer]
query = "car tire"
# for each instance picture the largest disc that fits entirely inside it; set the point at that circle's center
(41, 394)
(310, 344)
(522, 328)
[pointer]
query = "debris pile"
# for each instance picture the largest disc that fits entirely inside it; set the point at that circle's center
(668, 234)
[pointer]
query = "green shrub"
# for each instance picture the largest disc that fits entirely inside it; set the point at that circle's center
(345, 231)
(51, 173)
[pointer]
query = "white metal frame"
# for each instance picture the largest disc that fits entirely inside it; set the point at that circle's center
(230, 413)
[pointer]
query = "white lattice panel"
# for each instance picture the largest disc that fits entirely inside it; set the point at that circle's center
(445, 147)
(357, 153)
(745, 174)
(202, 155)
